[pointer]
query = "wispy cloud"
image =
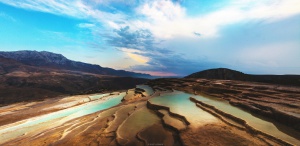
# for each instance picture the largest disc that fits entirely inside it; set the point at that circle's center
(86, 25)
(166, 19)
(7, 17)
(148, 32)
(282, 54)
(136, 39)
(140, 45)
(77, 9)
(74, 8)
(62, 36)
(134, 54)
(175, 64)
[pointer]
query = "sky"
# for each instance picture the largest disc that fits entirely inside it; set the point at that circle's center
(159, 37)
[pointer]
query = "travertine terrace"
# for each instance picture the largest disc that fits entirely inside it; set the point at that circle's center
(174, 114)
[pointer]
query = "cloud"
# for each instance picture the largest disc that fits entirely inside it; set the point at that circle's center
(197, 34)
(164, 18)
(75, 8)
(134, 54)
(175, 64)
(167, 19)
(139, 58)
(7, 17)
(108, 2)
(151, 32)
(127, 38)
(86, 25)
(141, 46)
(157, 73)
(61, 36)
(78, 9)
(282, 55)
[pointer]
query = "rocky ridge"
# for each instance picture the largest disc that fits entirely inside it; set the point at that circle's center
(21, 81)
(57, 61)
(278, 102)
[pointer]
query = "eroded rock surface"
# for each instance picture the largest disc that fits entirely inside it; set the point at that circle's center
(278, 102)
(137, 117)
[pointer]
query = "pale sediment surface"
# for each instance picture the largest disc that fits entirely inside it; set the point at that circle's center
(255, 122)
(167, 117)
(14, 130)
(179, 103)
(148, 90)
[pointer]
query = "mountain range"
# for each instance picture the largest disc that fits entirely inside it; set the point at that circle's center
(32, 76)
(57, 61)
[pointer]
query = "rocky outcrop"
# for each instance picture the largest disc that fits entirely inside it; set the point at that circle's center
(278, 102)
(220, 114)
(270, 112)
(215, 90)
(158, 107)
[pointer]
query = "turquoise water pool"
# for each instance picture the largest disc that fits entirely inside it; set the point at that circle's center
(149, 91)
(179, 103)
(14, 130)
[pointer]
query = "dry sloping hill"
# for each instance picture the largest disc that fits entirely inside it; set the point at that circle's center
(228, 74)
(22, 82)
(58, 61)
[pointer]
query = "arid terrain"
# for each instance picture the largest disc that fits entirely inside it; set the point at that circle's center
(33, 76)
(46, 99)
(277, 102)
(149, 72)
(172, 112)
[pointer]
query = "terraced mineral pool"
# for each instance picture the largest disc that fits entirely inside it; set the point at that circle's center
(140, 119)
(255, 122)
(17, 129)
(149, 91)
(179, 103)
(98, 96)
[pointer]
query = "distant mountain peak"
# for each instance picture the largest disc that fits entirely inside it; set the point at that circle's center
(58, 61)
(35, 58)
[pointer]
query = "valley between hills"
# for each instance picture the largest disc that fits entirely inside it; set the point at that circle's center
(56, 102)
